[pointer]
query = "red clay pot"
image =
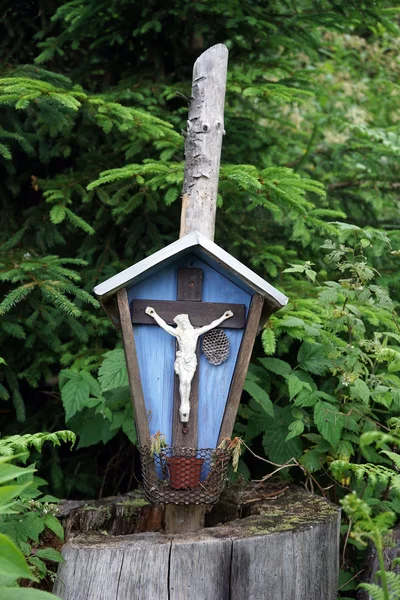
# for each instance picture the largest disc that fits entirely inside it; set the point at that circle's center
(184, 472)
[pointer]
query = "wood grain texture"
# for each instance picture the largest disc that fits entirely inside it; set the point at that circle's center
(190, 284)
(134, 567)
(111, 308)
(184, 519)
(135, 384)
(242, 365)
(205, 130)
(289, 552)
(200, 314)
(301, 565)
(199, 569)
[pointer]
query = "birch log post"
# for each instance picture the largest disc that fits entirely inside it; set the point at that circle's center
(205, 130)
(287, 552)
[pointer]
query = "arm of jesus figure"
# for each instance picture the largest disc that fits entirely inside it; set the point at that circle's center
(227, 315)
(152, 313)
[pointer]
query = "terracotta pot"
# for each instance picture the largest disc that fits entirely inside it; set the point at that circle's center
(184, 472)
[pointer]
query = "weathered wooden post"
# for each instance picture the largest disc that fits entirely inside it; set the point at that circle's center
(205, 130)
(189, 315)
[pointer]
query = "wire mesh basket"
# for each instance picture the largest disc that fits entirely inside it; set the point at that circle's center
(184, 475)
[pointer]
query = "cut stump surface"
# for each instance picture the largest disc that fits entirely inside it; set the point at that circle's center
(289, 551)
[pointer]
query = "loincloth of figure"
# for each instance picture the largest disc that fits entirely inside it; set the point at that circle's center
(184, 364)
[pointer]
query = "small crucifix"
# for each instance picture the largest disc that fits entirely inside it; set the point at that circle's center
(185, 364)
(193, 318)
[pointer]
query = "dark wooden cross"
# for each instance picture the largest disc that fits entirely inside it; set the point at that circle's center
(190, 283)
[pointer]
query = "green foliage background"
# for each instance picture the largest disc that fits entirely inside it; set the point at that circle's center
(92, 104)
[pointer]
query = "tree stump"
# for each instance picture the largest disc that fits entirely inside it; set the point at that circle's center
(115, 515)
(288, 551)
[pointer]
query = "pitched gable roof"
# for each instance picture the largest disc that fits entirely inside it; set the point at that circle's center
(208, 251)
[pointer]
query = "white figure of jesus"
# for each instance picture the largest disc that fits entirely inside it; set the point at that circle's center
(186, 360)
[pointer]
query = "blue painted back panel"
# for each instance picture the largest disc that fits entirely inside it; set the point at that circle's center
(155, 350)
(156, 353)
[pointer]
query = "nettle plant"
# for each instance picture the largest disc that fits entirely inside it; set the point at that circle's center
(339, 353)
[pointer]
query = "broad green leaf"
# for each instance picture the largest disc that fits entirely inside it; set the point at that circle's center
(105, 412)
(277, 366)
(315, 438)
(396, 398)
(66, 374)
(347, 580)
(117, 419)
(9, 472)
(49, 554)
(329, 421)
(360, 390)
(95, 389)
(351, 423)
(258, 420)
(312, 460)
(296, 428)
(295, 269)
(298, 413)
(278, 449)
(74, 394)
(128, 427)
(311, 357)
(328, 296)
(29, 527)
(39, 564)
(296, 385)
(7, 495)
(311, 274)
(95, 429)
(305, 398)
(113, 373)
(383, 398)
(97, 403)
(259, 396)
(54, 524)
(347, 226)
(12, 563)
(344, 450)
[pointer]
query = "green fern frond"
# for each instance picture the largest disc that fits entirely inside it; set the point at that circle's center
(16, 444)
(268, 341)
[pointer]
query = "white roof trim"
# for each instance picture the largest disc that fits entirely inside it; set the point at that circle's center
(195, 238)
